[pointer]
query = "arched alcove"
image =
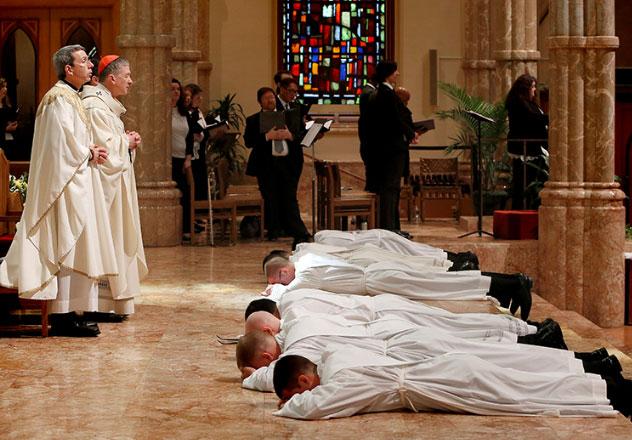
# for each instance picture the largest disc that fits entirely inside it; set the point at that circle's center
(19, 67)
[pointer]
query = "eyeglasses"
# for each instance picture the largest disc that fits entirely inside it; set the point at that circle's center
(292, 91)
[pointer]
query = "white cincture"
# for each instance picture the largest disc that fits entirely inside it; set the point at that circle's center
(403, 392)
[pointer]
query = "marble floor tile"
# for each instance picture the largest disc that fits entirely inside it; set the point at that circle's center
(161, 374)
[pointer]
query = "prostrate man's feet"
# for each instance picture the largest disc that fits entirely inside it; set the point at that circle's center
(72, 325)
(463, 261)
(512, 291)
(550, 335)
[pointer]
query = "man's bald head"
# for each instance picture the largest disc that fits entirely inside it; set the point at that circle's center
(263, 321)
(256, 349)
(279, 270)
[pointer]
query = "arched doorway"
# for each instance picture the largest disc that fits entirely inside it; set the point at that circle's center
(19, 67)
(61, 22)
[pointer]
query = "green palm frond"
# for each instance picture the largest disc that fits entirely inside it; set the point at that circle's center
(491, 133)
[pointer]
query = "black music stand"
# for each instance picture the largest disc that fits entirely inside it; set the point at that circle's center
(479, 172)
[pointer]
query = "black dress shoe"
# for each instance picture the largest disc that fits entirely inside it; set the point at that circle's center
(103, 317)
(550, 335)
(463, 261)
(593, 356)
(75, 329)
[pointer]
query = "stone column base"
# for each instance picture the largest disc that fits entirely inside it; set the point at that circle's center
(581, 239)
(160, 213)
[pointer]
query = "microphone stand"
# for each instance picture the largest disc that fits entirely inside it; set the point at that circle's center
(479, 173)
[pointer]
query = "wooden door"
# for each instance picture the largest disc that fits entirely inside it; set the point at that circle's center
(53, 24)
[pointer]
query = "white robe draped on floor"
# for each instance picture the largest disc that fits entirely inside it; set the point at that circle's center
(328, 273)
(355, 381)
(367, 253)
(65, 218)
(370, 308)
(381, 238)
(119, 186)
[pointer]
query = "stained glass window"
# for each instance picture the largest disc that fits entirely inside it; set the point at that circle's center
(331, 47)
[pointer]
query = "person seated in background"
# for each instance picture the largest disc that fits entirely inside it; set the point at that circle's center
(350, 380)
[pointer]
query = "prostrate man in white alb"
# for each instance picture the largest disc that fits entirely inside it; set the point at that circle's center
(394, 242)
(119, 185)
(63, 241)
(367, 254)
(324, 272)
(368, 308)
(351, 380)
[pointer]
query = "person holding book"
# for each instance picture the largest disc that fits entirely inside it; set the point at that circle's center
(291, 166)
(273, 161)
(392, 136)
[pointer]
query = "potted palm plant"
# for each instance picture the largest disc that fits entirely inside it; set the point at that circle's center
(492, 134)
(230, 148)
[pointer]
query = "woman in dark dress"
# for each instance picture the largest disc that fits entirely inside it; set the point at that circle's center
(527, 140)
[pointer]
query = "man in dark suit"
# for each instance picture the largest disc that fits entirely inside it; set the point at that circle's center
(277, 172)
(364, 123)
(392, 135)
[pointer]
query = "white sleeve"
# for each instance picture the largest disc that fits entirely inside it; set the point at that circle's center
(323, 402)
(261, 379)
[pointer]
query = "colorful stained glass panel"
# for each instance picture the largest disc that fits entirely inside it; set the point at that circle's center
(332, 45)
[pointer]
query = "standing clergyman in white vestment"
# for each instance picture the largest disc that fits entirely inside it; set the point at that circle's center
(119, 184)
(63, 243)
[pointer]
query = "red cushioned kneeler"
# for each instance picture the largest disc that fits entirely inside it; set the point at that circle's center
(516, 225)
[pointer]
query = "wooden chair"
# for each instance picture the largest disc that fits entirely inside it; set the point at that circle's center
(248, 201)
(336, 204)
(223, 209)
(440, 193)
(11, 216)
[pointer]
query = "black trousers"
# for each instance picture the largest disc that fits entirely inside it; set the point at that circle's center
(180, 178)
(519, 184)
(390, 181)
(279, 187)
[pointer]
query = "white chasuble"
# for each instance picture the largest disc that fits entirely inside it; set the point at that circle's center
(65, 221)
(119, 187)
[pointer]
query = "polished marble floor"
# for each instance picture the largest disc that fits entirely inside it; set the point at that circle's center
(163, 375)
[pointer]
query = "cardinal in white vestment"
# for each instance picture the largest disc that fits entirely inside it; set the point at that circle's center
(104, 112)
(63, 242)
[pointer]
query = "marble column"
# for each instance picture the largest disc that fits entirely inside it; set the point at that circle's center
(582, 216)
(515, 25)
(478, 65)
(146, 40)
(185, 54)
